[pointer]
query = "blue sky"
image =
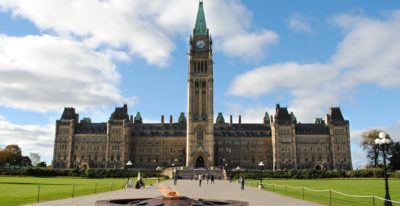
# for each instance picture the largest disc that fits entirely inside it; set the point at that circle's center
(95, 55)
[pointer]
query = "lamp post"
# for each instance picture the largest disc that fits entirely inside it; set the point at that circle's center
(176, 162)
(383, 144)
(158, 169)
(284, 163)
(261, 165)
(323, 165)
(128, 164)
(78, 165)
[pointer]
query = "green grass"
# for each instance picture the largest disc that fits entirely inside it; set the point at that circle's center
(367, 187)
(24, 190)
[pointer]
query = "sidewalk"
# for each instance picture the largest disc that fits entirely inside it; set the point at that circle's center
(222, 190)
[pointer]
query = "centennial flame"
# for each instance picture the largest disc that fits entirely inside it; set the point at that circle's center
(168, 191)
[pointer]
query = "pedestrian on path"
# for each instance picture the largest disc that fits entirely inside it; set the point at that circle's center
(200, 179)
(212, 179)
(175, 179)
(242, 182)
(208, 178)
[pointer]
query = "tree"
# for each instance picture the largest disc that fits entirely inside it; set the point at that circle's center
(394, 159)
(35, 157)
(12, 154)
(41, 164)
(26, 161)
(368, 145)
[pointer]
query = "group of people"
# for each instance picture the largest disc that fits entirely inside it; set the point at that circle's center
(139, 183)
(201, 177)
(241, 180)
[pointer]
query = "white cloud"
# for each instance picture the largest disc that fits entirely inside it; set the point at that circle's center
(145, 28)
(311, 96)
(368, 54)
(248, 114)
(249, 45)
(30, 138)
(299, 23)
(45, 73)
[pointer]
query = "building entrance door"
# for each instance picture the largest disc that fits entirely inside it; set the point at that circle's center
(199, 162)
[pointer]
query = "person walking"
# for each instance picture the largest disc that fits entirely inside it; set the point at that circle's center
(208, 177)
(212, 179)
(200, 179)
(242, 182)
(175, 179)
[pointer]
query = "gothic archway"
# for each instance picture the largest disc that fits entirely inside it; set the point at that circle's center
(200, 162)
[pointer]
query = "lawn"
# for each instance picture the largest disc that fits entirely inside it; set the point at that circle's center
(24, 190)
(360, 187)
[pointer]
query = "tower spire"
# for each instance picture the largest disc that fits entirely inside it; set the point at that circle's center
(201, 25)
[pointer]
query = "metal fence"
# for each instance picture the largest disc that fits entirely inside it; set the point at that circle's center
(45, 192)
(330, 195)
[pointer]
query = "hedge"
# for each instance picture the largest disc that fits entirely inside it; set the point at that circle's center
(312, 174)
(90, 173)
(107, 173)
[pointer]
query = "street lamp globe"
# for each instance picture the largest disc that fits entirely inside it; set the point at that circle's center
(386, 141)
(129, 163)
(382, 135)
(378, 141)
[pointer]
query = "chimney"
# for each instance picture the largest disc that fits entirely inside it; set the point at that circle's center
(170, 120)
(240, 119)
(162, 120)
(230, 120)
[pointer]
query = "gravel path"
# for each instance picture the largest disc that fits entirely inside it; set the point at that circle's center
(222, 190)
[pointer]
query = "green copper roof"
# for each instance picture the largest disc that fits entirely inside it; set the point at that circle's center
(201, 25)
(292, 117)
(182, 118)
(86, 120)
(138, 116)
(220, 118)
(319, 120)
(266, 118)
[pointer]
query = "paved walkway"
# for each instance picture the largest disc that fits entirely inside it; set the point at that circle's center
(221, 190)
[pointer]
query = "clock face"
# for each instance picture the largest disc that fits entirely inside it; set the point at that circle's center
(200, 44)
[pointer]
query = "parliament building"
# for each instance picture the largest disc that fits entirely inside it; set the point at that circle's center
(195, 139)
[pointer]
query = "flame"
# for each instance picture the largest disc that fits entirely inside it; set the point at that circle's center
(168, 191)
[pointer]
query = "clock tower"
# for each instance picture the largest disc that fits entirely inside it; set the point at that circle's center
(200, 127)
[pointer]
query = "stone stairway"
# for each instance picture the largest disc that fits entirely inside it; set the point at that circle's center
(188, 173)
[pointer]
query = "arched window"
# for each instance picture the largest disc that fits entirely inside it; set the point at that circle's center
(198, 66)
(200, 135)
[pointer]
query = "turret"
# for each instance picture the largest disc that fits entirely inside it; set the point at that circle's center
(138, 118)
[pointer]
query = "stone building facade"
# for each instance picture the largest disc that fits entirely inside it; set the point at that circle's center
(279, 141)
